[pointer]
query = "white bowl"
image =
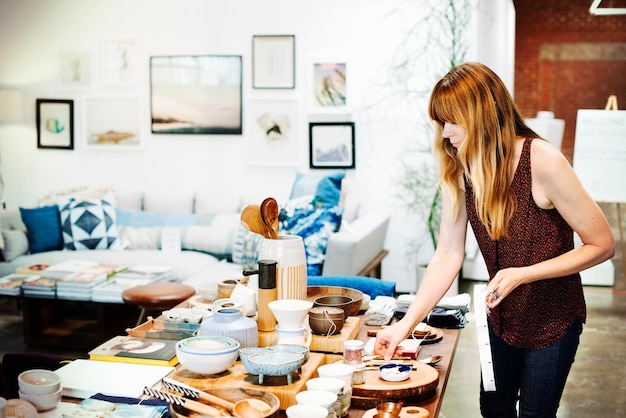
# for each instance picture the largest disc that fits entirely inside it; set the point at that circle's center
(394, 372)
(211, 359)
(38, 382)
(42, 402)
(205, 343)
(306, 411)
(329, 384)
(316, 397)
(290, 313)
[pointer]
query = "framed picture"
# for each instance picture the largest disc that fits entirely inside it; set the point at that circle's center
(331, 145)
(119, 62)
(196, 94)
(75, 69)
(329, 81)
(273, 128)
(274, 61)
(55, 124)
(119, 130)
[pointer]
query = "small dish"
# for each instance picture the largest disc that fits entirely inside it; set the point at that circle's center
(393, 372)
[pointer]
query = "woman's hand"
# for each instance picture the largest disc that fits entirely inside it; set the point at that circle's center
(388, 340)
(503, 283)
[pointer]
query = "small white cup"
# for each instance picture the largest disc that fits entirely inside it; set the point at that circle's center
(306, 411)
(344, 372)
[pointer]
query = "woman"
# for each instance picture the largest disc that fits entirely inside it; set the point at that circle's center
(524, 202)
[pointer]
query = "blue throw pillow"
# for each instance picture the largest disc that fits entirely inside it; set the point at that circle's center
(44, 228)
(315, 225)
(325, 189)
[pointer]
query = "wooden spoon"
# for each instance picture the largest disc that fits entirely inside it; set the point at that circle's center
(251, 219)
(269, 215)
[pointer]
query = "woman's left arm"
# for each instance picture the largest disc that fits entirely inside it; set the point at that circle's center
(555, 185)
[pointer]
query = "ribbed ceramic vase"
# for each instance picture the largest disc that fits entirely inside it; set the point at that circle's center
(291, 275)
(230, 322)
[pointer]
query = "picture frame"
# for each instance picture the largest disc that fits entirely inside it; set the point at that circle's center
(196, 94)
(328, 90)
(273, 128)
(332, 145)
(75, 69)
(120, 130)
(55, 123)
(119, 62)
(274, 62)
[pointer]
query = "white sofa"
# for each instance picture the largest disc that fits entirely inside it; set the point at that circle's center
(360, 239)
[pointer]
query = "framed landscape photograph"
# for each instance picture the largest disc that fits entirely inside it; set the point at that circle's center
(55, 123)
(119, 130)
(331, 145)
(196, 94)
(274, 61)
(273, 128)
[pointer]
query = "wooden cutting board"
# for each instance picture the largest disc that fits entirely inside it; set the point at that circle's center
(421, 384)
(320, 343)
(237, 377)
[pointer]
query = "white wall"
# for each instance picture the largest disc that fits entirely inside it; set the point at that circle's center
(364, 32)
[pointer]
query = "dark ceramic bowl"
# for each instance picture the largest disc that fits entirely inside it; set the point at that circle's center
(336, 301)
(314, 292)
(326, 320)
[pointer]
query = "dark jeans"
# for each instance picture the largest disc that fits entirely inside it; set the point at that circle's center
(534, 377)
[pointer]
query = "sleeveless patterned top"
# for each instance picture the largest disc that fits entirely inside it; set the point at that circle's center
(538, 314)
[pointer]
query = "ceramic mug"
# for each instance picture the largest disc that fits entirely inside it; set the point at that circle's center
(296, 336)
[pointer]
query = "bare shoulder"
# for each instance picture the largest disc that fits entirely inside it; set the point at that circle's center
(546, 159)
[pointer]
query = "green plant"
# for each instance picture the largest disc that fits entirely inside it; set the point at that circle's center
(434, 43)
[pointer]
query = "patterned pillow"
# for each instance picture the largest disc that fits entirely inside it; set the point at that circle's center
(314, 224)
(245, 248)
(89, 225)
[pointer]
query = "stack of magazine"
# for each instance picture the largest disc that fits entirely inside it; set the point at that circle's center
(11, 284)
(41, 287)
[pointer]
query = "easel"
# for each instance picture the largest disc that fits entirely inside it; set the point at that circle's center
(611, 104)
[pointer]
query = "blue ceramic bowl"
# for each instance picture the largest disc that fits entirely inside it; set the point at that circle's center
(293, 348)
(246, 352)
(276, 363)
(394, 372)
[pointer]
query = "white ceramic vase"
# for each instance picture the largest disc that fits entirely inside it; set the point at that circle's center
(291, 275)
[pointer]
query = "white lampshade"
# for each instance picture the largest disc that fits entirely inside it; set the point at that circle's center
(11, 106)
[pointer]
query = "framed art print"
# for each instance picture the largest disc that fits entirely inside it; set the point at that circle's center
(331, 145)
(273, 132)
(274, 61)
(196, 94)
(119, 130)
(329, 81)
(119, 62)
(55, 124)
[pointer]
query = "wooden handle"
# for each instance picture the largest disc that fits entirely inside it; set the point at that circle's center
(202, 408)
(266, 320)
(207, 397)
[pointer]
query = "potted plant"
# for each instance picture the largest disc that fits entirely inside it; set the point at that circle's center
(444, 46)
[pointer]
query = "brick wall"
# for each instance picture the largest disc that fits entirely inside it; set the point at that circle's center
(568, 59)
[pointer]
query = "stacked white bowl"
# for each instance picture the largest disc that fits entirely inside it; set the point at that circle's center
(207, 354)
(41, 388)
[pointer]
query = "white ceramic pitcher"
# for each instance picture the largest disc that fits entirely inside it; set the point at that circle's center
(297, 336)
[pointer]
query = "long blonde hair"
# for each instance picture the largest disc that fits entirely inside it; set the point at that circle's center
(475, 98)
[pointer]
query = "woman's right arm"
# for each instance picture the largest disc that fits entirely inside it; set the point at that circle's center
(441, 272)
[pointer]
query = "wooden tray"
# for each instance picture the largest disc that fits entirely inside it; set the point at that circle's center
(237, 377)
(421, 384)
(158, 328)
(320, 343)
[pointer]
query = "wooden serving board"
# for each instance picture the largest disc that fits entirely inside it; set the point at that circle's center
(421, 384)
(320, 343)
(237, 377)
